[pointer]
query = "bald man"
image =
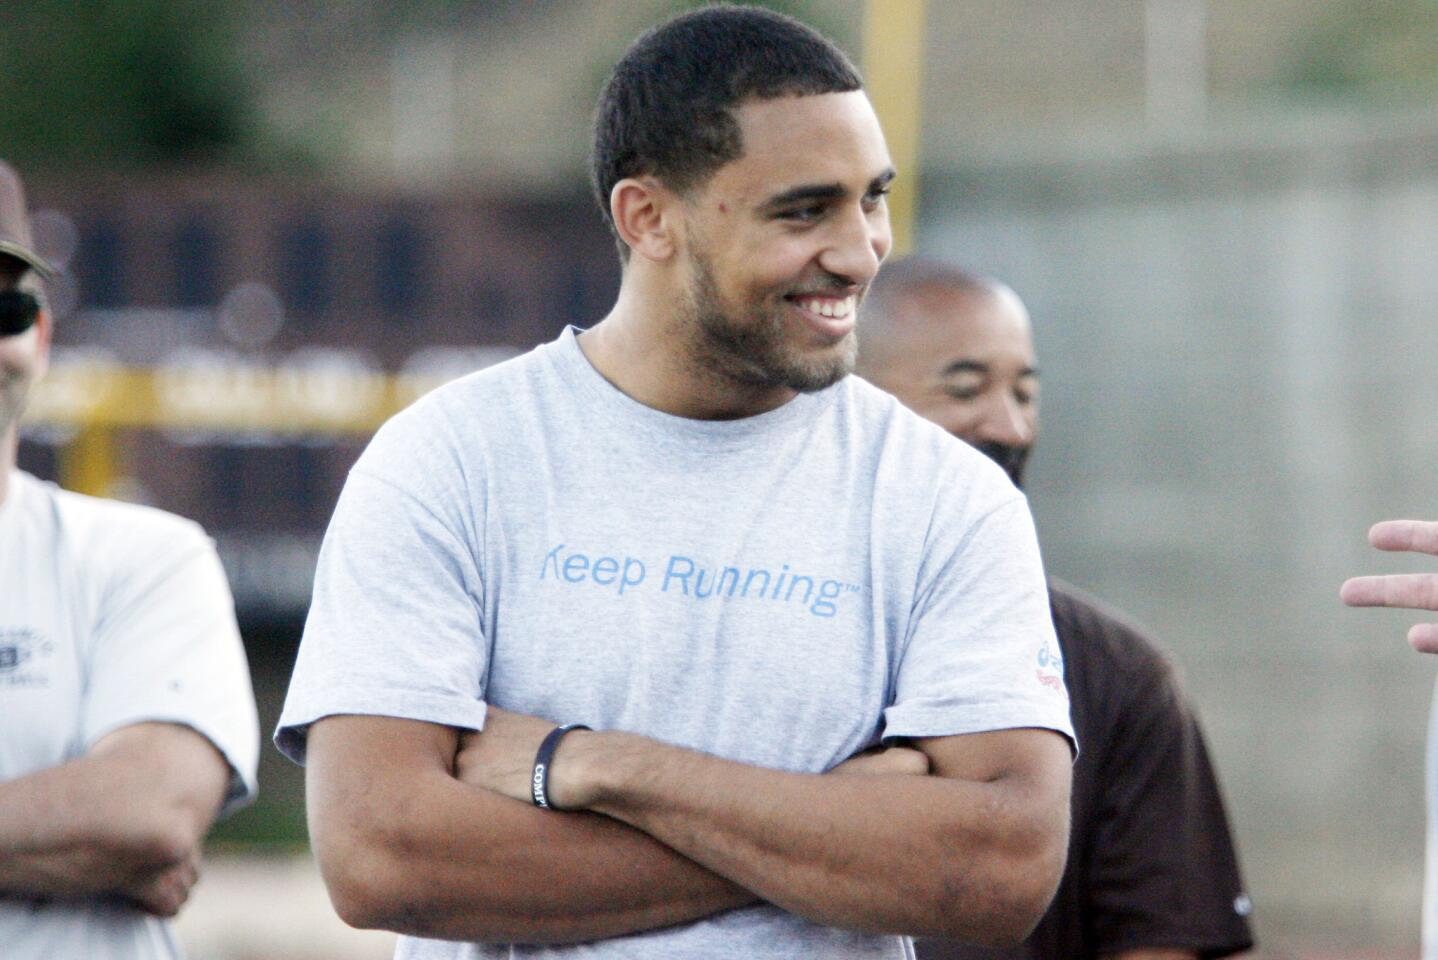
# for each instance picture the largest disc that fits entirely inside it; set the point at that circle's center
(1152, 871)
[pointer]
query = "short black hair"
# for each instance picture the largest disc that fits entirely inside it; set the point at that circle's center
(666, 109)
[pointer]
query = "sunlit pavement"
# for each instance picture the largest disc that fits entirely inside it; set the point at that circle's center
(270, 908)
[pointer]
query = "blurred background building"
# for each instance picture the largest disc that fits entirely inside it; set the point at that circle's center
(1223, 215)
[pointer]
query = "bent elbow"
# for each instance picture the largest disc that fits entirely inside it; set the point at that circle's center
(361, 890)
(1003, 909)
(360, 906)
(1004, 916)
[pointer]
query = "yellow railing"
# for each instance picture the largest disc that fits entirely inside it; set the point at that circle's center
(95, 400)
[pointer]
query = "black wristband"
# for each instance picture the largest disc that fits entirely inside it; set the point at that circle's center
(539, 783)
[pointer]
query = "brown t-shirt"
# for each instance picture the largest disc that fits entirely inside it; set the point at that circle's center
(1151, 862)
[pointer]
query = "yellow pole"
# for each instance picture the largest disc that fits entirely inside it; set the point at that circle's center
(894, 75)
(87, 463)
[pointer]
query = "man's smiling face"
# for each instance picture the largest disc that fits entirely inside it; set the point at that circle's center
(22, 355)
(784, 241)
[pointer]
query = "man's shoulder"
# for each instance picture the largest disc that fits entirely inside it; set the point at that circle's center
(456, 420)
(917, 441)
(102, 536)
(130, 527)
(478, 392)
(1092, 631)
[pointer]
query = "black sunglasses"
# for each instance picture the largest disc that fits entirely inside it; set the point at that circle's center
(18, 312)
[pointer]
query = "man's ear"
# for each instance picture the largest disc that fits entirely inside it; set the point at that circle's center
(646, 216)
(44, 328)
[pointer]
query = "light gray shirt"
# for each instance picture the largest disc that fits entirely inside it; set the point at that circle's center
(782, 590)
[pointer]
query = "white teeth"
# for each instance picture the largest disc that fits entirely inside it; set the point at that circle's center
(834, 309)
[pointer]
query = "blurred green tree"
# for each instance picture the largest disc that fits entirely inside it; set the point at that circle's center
(122, 83)
(1371, 49)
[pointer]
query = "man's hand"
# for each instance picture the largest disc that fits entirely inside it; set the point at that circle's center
(164, 892)
(124, 820)
(878, 761)
(1416, 591)
(501, 758)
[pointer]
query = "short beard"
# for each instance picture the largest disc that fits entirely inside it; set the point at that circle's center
(1012, 459)
(751, 351)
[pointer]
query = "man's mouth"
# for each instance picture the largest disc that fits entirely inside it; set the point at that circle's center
(834, 308)
(831, 316)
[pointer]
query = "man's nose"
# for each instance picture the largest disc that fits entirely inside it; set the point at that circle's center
(1006, 421)
(859, 245)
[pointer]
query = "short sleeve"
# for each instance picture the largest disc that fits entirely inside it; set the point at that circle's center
(166, 648)
(395, 626)
(1164, 869)
(980, 654)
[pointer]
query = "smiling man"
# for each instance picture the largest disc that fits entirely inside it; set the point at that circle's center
(798, 624)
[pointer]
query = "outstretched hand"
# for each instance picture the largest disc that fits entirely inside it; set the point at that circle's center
(1415, 591)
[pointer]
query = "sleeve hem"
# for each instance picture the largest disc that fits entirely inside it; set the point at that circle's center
(978, 718)
(292, 731)
(242, 786)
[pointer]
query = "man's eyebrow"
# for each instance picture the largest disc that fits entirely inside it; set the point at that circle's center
(808, 191)
(975, 366)
(964, 366)
(822, 191)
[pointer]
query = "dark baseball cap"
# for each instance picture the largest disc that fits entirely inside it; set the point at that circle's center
(15, 225)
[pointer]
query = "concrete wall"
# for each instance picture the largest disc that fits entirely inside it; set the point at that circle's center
(1239, 345)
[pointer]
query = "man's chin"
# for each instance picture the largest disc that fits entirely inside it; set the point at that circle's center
(821, 372)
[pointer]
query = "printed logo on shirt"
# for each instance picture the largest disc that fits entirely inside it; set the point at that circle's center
(1051, 667)
(684, 577)
(22, 655)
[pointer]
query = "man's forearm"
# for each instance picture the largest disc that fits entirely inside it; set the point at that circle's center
(134, 807)
(411, 849)
(56, 839)
(895, 854)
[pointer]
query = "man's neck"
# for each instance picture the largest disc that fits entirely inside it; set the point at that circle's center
(9, 451)
(646, 348)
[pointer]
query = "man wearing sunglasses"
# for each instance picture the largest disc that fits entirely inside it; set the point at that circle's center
(128, 721)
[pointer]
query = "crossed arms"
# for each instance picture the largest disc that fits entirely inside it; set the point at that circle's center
(424, 831)
(124, 820)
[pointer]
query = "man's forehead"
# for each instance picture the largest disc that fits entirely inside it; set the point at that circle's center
(790, 142)
(979, 326)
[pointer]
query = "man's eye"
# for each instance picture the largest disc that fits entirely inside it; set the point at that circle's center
(874, 197)
(803, 214)
(965, 394)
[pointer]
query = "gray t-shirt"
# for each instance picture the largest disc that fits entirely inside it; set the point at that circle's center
(781, 590)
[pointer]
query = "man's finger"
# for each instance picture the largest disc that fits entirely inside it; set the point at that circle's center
(1424, 637)
(1417, 591)
(1416, 535)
